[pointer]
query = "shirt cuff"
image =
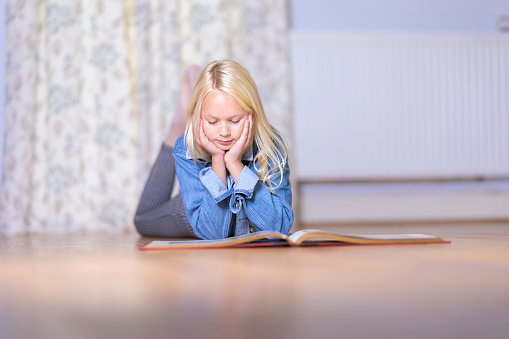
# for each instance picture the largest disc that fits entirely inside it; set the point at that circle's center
(246, 183)
(214, 184)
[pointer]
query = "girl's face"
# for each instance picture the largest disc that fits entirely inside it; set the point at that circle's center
(223, 119)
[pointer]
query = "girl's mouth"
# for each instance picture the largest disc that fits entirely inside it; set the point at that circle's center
(225, 142)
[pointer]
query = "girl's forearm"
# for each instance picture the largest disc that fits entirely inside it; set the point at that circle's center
(219, 167)
(235, 168)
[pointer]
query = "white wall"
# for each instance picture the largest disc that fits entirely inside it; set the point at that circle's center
(399, 201)
(398, 15)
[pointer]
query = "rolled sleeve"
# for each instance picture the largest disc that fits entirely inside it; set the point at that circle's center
(214, 184)
(246, 183)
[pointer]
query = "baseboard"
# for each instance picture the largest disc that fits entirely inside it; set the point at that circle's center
(396, 205)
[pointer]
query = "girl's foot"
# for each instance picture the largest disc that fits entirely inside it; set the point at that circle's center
(178, 124)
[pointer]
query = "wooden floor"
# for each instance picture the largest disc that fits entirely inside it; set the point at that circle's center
(101, 286)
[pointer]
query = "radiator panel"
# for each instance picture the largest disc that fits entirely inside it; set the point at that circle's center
(400, 106)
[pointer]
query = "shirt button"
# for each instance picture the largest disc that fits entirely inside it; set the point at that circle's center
(251, 229)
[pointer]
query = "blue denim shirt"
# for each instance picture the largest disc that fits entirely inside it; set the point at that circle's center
(216, 210)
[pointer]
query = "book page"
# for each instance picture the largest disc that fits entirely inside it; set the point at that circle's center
(241, 239)
(319, 235)
(391, 236)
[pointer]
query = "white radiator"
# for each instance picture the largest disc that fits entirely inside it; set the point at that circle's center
(400, 106)
(376, 112)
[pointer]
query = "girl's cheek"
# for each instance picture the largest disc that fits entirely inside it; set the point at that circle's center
(239, 130)
(207, 131)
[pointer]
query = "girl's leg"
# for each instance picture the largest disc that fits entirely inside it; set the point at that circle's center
(159, 214)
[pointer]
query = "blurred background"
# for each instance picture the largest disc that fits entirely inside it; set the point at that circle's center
(395, 111)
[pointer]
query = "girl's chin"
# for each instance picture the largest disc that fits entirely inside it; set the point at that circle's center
(224, 147)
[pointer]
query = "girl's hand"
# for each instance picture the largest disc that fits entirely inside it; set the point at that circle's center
(218, 164)
(207, 144)
(234, 155)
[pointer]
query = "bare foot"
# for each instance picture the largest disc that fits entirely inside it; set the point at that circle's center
(188, 82)
(178, 124)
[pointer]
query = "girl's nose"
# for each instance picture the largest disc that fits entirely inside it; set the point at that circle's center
(225, 130)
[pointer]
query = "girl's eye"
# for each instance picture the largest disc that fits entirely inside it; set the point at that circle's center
(212, 122)
(235, 121)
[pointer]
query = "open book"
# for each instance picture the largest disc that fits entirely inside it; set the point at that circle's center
(300, 238)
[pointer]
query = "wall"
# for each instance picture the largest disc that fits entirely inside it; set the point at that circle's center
(398, 15)
(395, 201)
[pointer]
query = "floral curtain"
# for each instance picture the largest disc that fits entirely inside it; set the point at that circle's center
(91, 87)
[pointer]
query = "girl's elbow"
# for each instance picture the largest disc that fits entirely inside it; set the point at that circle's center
(206, 234)
(287, 221)
(205, 231)
(287, 225)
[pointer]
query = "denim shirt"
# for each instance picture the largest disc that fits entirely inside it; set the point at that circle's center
(216, 210)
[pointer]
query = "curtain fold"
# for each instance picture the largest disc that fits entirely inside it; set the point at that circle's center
(91, 87)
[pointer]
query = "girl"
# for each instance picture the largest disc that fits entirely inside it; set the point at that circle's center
(232, 165)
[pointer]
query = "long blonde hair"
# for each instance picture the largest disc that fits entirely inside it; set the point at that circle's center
(230, 77)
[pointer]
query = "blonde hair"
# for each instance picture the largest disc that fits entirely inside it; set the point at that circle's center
(230, 77)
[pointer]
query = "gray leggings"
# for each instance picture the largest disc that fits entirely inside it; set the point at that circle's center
(158, 214)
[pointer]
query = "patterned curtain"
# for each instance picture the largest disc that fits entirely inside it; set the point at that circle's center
(91, 87)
